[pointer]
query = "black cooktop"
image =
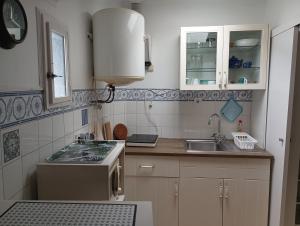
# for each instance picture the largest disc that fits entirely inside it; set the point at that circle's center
(142, 138)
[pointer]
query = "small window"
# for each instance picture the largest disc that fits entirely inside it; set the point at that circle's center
(55, 62)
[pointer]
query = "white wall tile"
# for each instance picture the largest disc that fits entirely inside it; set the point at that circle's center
(131, 120)
(45, 131)
(1, 148)
(163, 107)
(108, 109)
(141, 107)
(142, 120)
(58, 126)
(29, 163)
(149, 130)
(246, 107)
(77, 120)
(119, 108)
(45, 152)
(168, 132)
(29, 137)
(173, 118)
(83, 130)
(118, 119)
(12, 178)
(131, 130)
(1, 185)
(69, 139)
(131, 107)
(58, 144)
(69, 122)
(191, 133)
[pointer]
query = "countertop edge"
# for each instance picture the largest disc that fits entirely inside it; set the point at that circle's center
(229, 155)
(175, 148)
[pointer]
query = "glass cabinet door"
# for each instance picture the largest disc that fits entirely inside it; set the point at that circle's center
(201, 58)
(245, 56)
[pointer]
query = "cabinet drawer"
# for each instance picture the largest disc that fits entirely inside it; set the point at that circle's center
(151, 166)
(225, 168)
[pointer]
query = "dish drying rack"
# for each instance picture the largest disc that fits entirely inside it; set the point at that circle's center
(244, 140)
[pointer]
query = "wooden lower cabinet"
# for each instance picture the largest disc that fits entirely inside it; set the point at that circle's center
(245, 202)
(224, 192)
(200, 202)
(161, 191)
(202, 191)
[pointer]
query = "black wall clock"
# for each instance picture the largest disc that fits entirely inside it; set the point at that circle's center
(13, 23)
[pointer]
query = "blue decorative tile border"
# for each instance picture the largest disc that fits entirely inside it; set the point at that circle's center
(124, 94)
(19, 107)
(23, 106)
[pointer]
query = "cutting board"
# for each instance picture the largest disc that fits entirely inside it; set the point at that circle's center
(120, 132)
(107, 131)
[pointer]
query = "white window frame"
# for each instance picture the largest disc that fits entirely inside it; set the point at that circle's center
(45, 26)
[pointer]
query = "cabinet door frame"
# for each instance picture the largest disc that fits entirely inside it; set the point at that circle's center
(219, 57)
(264, 56)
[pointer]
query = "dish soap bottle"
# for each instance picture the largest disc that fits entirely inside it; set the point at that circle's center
(240, 126)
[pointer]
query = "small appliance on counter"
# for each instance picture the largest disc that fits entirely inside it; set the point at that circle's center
(142, 140)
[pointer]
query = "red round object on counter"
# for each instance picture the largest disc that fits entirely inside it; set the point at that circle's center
(120, 132)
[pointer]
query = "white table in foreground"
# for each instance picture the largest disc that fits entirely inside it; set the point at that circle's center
(143, 214)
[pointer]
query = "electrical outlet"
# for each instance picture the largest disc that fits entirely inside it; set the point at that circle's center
(197, 100)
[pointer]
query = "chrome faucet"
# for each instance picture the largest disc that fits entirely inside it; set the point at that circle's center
(219, 138)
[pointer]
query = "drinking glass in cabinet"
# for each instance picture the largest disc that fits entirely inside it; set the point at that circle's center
(201, 57)
(244, 57)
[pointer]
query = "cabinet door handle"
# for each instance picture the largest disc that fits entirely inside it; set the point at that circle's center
(220, 80)
(226, 192)
(225, 79)
(221, 191)
(147, 166)
(281, 140)
(176, 187)
(52, 76)
(119, 179)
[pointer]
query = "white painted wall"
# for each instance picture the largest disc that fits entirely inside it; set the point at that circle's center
(19, 66)
(280, 12)
(164, 19)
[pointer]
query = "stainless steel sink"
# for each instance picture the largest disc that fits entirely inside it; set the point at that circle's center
(202, 145)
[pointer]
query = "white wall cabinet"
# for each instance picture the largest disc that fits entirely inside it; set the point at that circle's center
(231, 57)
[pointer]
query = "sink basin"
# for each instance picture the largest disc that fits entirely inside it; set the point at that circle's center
(202, 145)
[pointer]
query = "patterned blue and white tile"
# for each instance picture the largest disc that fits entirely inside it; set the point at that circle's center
(11, 145)
(124, 94)
(19, 107)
